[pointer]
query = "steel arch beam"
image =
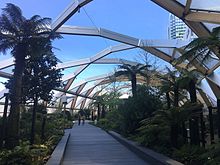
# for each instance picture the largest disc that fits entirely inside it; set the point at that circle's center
(68, 12)
(98, 56)
(209, 17)
(101, 32)
(147, 45)
(7, 63)
(178, 9)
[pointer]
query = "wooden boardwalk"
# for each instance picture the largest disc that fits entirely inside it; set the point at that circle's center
(89, 145)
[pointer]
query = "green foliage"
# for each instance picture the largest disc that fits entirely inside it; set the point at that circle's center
(110, 99)
(154, 133)
(196, 155)
(105, 124)
(211, 157)
(125, 119)
(111, 121)
(189, 155)
(24, 154)
(131, 72)
(25, 38)
(133, 110)
(36, 154)
(67, 115)
(202, 48)
(87, 112)
(55, 124)
(40, 75)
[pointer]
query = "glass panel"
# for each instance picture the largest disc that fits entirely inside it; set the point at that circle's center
(75, 89)
(210, 26)
(209, 61)
(177, 54)
(217, 70)
(168, 51)
(183, 2)
(213, 5)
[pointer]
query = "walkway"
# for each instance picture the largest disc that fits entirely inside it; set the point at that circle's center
(89, 145)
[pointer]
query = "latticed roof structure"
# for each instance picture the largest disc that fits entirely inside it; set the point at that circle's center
(201, 16)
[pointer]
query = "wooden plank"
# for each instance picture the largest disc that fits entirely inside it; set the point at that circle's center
(89, 145)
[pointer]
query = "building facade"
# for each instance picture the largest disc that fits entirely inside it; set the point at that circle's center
(177, 29)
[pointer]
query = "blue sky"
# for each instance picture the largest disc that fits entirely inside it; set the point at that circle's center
(141, 19)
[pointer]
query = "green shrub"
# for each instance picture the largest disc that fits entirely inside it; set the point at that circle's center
(24, 154)
(133, 110)
(126, 118)
(212, 156)
(190, 155)
(37, 154)
(104, 124)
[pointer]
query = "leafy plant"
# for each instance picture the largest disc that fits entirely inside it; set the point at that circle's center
(190, 155)
(211, 157)
(24, 154)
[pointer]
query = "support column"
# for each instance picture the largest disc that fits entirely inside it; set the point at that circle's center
(211, 128)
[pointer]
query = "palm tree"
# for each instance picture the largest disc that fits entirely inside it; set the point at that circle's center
(131, 72)
(165, 88)
(19, 34)
(202, 48)
(170, 82)
(188, 81)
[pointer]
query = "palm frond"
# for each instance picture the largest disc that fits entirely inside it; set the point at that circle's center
(126, 67)
(215, 31)
(121, 72)
(6, 26)
(14, 13)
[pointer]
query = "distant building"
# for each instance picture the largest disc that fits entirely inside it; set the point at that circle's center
(177, 29)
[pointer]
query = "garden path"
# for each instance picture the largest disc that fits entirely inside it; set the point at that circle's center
(90, 145)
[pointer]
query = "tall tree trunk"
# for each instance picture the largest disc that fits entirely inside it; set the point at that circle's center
(176, 96)
(184, 132)
(175, 127)
(92, 115)
(33, 121)
(202, 124)
(194, 121)
(194, 135)
(44, 117)
(15, 98)
(134, 85)
(103, 111)
(218, 116)
(211, 128)
(99, 109)
(174, 135)
(168, 100)
(4, 119)
(192, 91)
